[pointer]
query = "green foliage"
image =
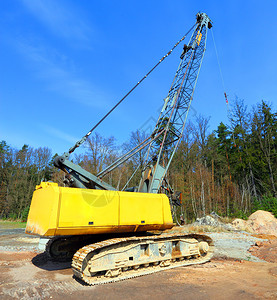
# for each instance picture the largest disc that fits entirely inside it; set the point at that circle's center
(20, 171)
(25, 213)
(267, 203)
(237, 166)
(12, 216)
(238, 213)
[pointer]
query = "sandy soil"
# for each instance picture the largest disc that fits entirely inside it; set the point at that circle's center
(266, 250)
(28, 274)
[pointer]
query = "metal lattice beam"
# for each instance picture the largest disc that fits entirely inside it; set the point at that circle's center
(173, 116)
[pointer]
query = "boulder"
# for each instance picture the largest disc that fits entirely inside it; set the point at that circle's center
(240, 224)
(212, 221)
(207, 220)
(260, 222)
(262, 216)
(263, 222)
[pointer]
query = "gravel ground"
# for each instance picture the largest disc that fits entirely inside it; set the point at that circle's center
(234, 245)
(26, 273)
(227, 244)
(17, 240)
(7, 231)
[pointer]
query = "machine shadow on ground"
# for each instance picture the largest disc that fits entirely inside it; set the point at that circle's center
(43, 262)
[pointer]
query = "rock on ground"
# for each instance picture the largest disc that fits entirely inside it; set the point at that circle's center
(260, 222)
(265, 250)
(214, 221)
(235, 245)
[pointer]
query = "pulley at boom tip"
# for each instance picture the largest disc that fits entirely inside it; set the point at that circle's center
(200, 16)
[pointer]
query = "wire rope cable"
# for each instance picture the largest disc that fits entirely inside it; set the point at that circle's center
(220, 70)
(221, 75)
(229, 113)
(81, 141)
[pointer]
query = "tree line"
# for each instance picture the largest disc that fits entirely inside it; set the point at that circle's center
(231, 170)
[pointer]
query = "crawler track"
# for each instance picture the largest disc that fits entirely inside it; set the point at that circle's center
(123, 258)
(62, 248)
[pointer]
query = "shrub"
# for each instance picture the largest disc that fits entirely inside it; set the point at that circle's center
(12, 216)
(267, 203)
(25, 213)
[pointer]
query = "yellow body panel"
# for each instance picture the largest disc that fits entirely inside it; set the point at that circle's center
(70, 211)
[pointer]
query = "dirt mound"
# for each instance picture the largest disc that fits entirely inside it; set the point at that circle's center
(213, 220)
(240, 224)
(260, 222)
(265, 250)
(262, 215)
(263, 222)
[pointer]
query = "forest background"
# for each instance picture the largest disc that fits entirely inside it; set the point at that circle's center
(231, 170)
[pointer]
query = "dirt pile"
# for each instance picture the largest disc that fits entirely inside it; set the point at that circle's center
(260, 222)
(213, 220)
(266, 250)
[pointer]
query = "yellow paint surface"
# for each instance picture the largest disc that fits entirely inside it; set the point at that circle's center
(198, 37)
(70, 211)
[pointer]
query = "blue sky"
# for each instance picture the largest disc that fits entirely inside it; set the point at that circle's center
(64, 63)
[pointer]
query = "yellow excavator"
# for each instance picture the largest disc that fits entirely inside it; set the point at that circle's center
(111, 235)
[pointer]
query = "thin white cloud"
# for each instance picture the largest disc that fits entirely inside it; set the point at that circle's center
(59, 134)
(60, 19)
(56, 71)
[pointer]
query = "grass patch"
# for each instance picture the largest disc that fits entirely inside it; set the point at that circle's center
(6, 224)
